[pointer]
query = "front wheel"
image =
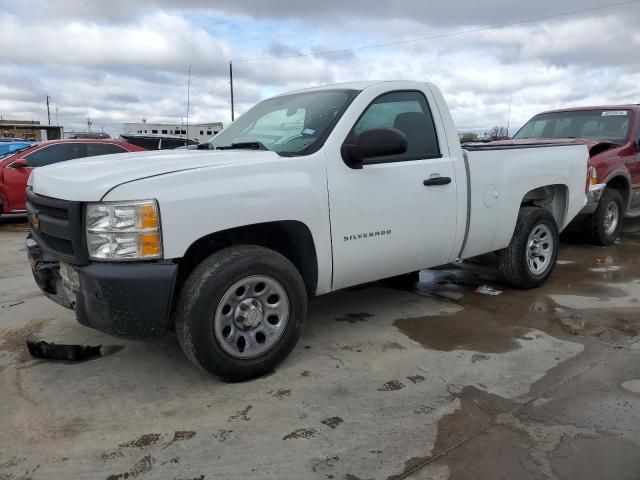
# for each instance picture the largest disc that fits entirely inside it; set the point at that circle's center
(531, 256)
(240, 312)
(605, 224)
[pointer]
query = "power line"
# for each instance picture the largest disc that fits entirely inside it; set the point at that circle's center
(185, 83)
(444, 35)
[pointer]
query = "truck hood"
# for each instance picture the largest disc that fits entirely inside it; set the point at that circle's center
(89, 179)
(595, 146)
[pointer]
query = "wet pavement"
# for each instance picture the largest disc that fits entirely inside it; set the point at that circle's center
(434, 381)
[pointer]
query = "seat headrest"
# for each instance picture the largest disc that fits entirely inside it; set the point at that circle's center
(410, 119)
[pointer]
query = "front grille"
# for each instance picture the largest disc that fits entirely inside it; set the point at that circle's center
(57, 226)
(58, 244)
(53, 212)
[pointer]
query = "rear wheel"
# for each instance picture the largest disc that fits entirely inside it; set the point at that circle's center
(240, 312)
(531, 256)
(605, 224)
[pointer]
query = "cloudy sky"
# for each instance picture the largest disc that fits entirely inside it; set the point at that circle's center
(122, 60)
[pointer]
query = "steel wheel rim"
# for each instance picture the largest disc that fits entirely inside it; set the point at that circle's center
(540, 247)
(252, 316)
(611, 218)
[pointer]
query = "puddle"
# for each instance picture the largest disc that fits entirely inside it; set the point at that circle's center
(489, 436)
(477, 412)
(498, 324)
(582, 457)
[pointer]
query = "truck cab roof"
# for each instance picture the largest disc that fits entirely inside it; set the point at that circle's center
(634, 107)
(360, 85)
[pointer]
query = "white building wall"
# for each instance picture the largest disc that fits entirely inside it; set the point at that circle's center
(200, 132)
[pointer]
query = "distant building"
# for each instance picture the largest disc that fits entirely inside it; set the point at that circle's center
(468, 137)
(200, 132)
(86, 135)
(30, 130)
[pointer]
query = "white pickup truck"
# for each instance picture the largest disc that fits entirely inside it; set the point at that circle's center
(307, 193)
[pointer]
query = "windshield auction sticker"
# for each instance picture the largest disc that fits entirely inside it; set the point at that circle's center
(614, 113)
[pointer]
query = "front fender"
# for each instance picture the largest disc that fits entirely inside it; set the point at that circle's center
(197, 203)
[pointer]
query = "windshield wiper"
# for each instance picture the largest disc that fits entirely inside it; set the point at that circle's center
(246, 145)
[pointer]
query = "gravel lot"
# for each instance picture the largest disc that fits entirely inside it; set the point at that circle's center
(434, 382)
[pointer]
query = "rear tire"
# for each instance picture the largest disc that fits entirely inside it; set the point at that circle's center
(531, 256)
(240, 312)
(604, 225)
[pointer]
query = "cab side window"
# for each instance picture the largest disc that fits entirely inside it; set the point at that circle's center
(58, 152)
(407, 111)
(95, 149)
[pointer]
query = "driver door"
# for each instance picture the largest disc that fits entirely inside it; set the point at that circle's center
(385, 220)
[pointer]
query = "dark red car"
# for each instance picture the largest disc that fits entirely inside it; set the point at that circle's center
(16, 166)
(612, 134)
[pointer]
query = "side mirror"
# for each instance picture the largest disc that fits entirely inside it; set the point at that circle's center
(20, 163)
(374, 143)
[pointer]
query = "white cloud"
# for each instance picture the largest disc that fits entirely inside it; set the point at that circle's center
(117, 61)
(160, 41)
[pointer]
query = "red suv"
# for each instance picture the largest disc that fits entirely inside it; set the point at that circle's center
(612, 134)
(16, 166)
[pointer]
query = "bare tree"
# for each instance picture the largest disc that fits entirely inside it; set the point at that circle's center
(497, 133)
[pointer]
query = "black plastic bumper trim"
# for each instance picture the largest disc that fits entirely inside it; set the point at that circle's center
(127, 300)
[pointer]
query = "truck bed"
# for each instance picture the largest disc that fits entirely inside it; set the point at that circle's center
(498, 176)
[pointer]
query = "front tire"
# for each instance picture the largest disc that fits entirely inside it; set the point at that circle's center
(604, 225)
(240, 312)
(531, 256)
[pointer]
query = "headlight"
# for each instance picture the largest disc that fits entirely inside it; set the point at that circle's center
(124, 230)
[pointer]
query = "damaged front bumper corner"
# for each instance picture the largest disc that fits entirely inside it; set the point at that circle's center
(46, 273)
(127, 300)
(593, 198)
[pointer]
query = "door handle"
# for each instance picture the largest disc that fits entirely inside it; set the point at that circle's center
(436, 181)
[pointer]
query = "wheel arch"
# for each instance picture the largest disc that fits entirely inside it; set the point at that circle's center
(553, 198)
(290, 238)
(513, 261)
(619, 180)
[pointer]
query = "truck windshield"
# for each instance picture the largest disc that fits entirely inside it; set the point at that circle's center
(289, 125)
(599, 124)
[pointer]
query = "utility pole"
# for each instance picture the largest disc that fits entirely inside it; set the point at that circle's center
(509, 115)
(48, 113)
(231, 84)
(186, 141)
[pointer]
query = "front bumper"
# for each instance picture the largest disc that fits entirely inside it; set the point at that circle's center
(128, 300)
(593, 198)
